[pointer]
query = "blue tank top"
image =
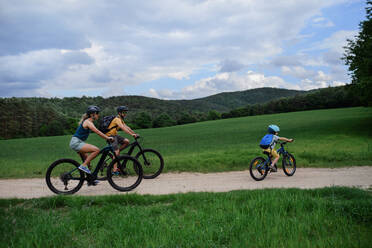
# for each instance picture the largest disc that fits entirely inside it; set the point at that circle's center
(81, 132)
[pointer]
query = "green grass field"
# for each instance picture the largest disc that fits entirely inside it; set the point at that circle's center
(330, 217)
(323, 138)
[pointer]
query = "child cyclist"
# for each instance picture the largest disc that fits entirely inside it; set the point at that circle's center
(268, 143)
(77, 143)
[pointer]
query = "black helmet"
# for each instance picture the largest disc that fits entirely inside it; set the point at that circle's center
(93, 109)
(122, 109)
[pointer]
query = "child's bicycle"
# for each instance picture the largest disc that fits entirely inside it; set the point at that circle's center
(64, 177)
(259, 166)
(151, 160)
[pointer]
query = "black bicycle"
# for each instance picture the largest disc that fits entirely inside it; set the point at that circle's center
(64, 177)
(151, 160)
(259, 166)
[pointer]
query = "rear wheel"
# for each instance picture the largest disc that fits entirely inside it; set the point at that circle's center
(258, 169)
(64, 177)
(128, 174)
(152, 163)
(289, 164)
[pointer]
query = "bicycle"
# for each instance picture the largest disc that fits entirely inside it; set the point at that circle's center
(151, 160)
(64, 177)
(259, 166)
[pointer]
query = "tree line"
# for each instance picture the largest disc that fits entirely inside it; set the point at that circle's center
(32, 117)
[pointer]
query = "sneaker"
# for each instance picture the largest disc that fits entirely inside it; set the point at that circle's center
(94, 183)
(116, 173)
(273, 169)
(85, 169)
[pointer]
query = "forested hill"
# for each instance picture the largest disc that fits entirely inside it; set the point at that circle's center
(74, 107)
(30, 117)
(230, 100)
(223, 102)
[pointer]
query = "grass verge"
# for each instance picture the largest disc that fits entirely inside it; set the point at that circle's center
(329, 217)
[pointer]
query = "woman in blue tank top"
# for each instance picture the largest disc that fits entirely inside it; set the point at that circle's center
(86, 126)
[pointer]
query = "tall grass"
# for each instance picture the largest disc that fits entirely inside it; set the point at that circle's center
(330, 217)
(323, 138)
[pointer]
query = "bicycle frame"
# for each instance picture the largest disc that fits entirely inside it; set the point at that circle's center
(280, 151)
(133, 146)
(104, 151)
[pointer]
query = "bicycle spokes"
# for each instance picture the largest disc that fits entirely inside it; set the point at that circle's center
(127, 175)
(258, 168)
(63, 177)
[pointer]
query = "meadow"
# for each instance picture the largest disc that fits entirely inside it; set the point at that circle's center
(330, 217)
(323, 138)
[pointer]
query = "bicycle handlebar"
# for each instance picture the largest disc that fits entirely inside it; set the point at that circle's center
(285, 142)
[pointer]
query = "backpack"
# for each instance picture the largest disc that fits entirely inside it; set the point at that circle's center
(266, 141)
(105, 123)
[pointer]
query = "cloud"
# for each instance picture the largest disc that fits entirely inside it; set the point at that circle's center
(322, 22)
(103, 47)
(231, 66)
(222, 82)
(38, 25)
(336, 42)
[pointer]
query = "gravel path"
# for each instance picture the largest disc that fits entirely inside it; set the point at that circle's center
(305, 178)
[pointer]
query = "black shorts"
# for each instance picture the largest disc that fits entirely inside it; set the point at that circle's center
(118, 141)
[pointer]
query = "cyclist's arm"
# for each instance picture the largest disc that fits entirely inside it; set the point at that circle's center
(285, 139)
(126, 129)
(91, 126)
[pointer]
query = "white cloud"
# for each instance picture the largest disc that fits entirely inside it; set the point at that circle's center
(115, 44)
(223, 82)
(335, 42)
(322, 22)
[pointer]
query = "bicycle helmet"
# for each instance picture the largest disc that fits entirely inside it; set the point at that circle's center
(122, 109)
(273, 129)
(93, 109)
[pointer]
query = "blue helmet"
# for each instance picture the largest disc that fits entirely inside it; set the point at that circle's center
(273, 129)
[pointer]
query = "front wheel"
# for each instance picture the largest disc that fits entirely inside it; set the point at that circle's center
(152, 163)
(289, 164)
(258, 169)
(124, 173)
(64, 177)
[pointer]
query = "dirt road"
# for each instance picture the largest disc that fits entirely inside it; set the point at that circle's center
(305, 178)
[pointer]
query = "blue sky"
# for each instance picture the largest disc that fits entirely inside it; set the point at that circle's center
(172, 49)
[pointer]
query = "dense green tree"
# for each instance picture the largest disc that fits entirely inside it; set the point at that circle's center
(142, 120)
(213, 115)
(186, 118)
(358, 56)
(164, 120)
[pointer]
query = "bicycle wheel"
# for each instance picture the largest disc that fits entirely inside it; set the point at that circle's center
(128, 176)
(102, 173)
(258, 169)
(64, 177)
(152, 163)
(289, 164)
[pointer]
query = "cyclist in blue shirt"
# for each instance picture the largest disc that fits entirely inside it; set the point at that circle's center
(274, 129)
(77, 143)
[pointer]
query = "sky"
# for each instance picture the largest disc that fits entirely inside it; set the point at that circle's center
(172, 49)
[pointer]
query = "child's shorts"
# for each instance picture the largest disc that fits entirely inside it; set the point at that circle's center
(272, 152)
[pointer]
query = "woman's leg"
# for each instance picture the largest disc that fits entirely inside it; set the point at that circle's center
(88, 148)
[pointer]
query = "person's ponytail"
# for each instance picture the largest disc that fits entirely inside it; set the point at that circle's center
(83, 118)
